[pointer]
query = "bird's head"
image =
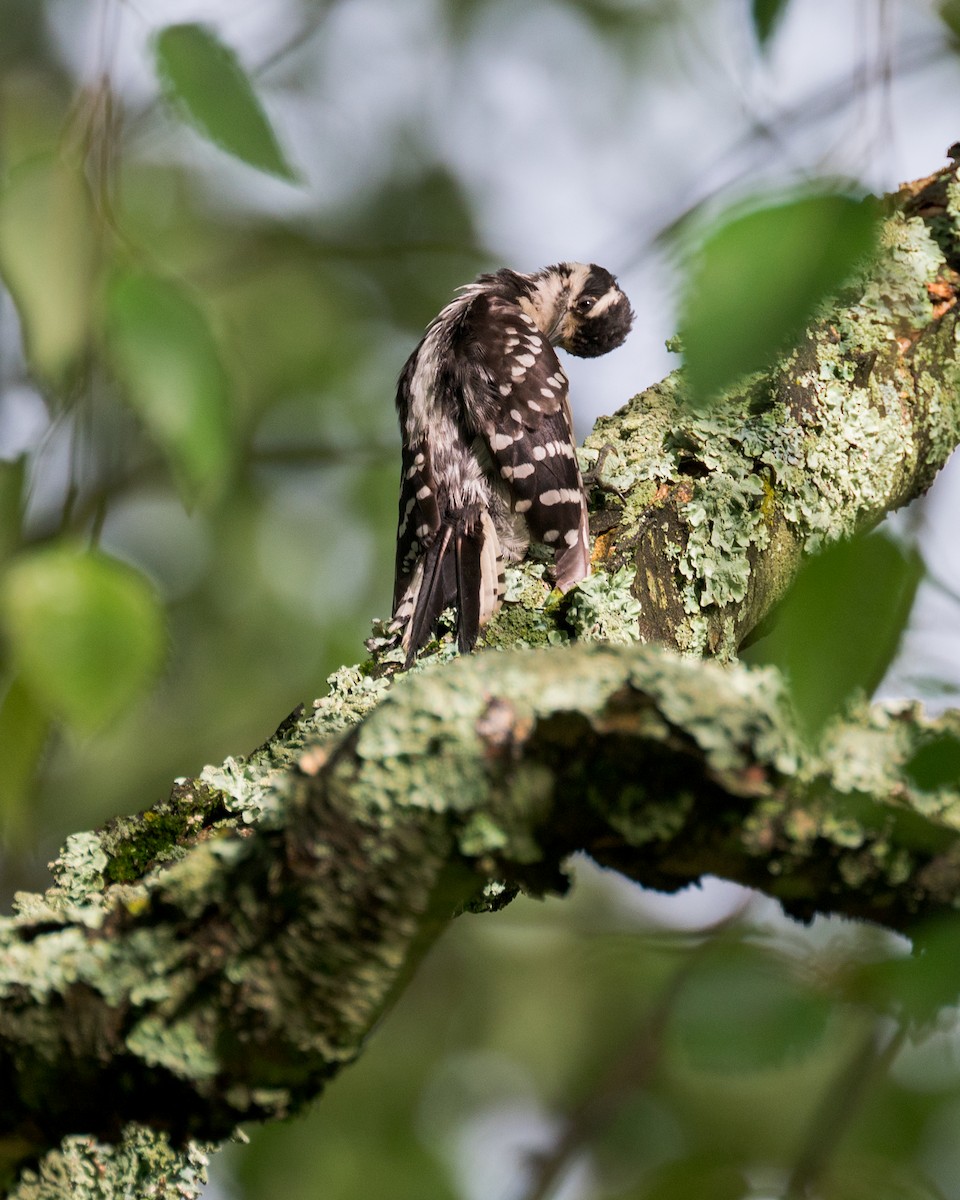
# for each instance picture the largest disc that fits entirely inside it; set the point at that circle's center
(580, 307)
(597, 316)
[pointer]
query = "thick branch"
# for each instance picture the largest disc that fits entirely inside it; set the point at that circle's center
(719, 509)
(231, 985)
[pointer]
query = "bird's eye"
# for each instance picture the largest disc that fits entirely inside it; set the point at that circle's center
(585, 303)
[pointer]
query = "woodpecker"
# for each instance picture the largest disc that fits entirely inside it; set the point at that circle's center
(489, 459)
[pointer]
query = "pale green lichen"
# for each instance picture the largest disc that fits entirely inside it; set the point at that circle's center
(827, 465)
(402, 748)
(724, 521)
(527, 618)
(78, 871)
(257, 789)
(602, 608)
(726, 515)
(174, 1045)
(142, 1165)
(635, 437)
(523, 583)
(254, 795)
(430, 730)
(429, 745)
(693, 636)
(949, 228)
(868, 749)
(351, 695)
(42, 974)
(735, 715)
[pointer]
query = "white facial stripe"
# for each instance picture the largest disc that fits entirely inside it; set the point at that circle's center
(611, 296)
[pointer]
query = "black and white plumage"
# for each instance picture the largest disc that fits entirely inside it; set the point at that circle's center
(489, 457)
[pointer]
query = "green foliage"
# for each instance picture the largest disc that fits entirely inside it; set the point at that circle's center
(428, 213)
(24, 727)
(766, 15)
(758, 278)
(218, 396)
(12, 479)
(701, 1176)
(836, 632)
(48, 257)
(162, 348)
(916, 988)
(936, 764)
(204, 79)
(949, 11)
(745, 1010)
(84, 631)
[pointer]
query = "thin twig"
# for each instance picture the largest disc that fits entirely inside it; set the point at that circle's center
(839, 1107)
(632, 1070)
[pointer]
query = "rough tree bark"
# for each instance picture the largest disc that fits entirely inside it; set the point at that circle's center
(221, 956)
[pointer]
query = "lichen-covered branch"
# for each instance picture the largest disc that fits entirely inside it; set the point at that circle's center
(220, 957)
(711, 514)
(235, 982)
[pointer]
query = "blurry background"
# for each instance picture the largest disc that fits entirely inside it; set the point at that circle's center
(198, 469)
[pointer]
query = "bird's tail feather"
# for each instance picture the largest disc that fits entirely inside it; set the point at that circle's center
(435, 587)
(460, 568)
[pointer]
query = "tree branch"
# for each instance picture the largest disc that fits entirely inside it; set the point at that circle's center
(718, 509)
(233, 984)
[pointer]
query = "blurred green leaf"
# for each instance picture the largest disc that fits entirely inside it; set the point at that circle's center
(950, 15)
(766, 15)
(758, 279)
(641, 1134)
(700, 1177)
(166, 356)
(920, 984)
(12, 474)
(423, 230)
(838, 627)
(204, 79)
(24, 726)
(936, 764)
(48, 252)
(859, 1177)
(84, 631)
(742, 1010)
(25, 33)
